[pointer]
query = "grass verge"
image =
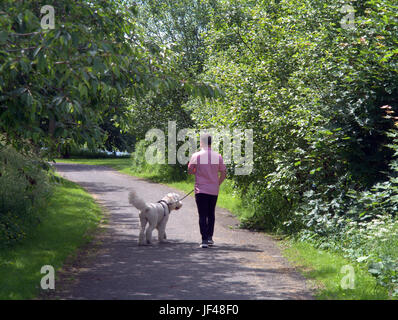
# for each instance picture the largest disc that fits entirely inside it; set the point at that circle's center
(66, 224)
(323, 269)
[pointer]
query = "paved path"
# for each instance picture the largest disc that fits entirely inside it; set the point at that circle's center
(243, 264)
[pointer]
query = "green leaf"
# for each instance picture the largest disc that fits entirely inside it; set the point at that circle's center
(3, 37)
(315, 170)
(363, 258)
(83, 90)
(25, 67)
(42, 63)
(37, 50)
(29, 100)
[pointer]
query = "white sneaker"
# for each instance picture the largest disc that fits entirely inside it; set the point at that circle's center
(204, 244)
(210, 242)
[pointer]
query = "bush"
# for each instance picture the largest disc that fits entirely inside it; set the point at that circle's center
(362, 225)
(138, 162)
(24, 188)
(160, 172)
(264, 209)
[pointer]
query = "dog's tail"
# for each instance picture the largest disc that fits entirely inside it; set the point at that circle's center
(136, 201)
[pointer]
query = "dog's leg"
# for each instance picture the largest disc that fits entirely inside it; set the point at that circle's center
(141, 238)
(162, 230)
(161, 235)
(149, 234)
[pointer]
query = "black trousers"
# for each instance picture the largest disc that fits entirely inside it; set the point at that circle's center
(206, 204)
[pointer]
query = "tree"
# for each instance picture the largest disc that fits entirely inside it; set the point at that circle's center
(56, 84)
(311, 91)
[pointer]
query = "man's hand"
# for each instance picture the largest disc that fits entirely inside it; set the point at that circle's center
(191, 169)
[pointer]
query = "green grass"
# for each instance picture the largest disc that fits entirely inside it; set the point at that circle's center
(323, 270)
(120, 164)
(66, 224)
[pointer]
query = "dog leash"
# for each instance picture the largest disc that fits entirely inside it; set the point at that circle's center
(187, 195)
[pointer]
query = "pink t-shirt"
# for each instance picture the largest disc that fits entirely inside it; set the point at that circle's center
(207, 163)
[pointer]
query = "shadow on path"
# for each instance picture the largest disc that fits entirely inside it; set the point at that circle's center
(176, 270)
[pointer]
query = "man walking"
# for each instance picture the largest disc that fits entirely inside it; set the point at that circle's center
(210, 171)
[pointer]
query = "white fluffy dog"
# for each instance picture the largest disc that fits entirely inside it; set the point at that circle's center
(155, 214)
